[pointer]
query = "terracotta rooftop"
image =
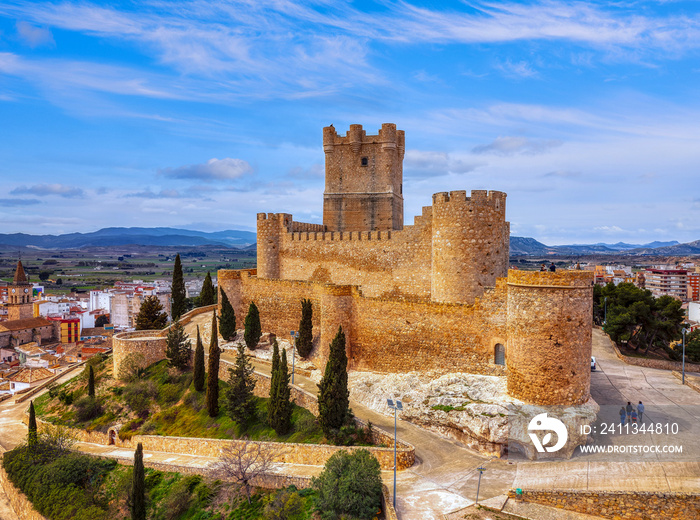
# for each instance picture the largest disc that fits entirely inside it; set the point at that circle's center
(95, 331)
(31, 349)
(4, 385)
(27, 323)
(30, 375)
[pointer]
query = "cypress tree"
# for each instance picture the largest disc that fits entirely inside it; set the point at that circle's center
(208, 294)
(284, 403)
(213, 372)
(240, 401)
(198, 376)
(151, 315)
(333, 394)
(274, 377)
(227, 320)
(32, 436)
(178, 347)
(305, 339)
(138, 487)
(253, 330)
(91, 382)
(178, 293)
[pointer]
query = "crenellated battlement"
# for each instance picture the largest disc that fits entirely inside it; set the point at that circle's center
(492, 199)
(388, 137)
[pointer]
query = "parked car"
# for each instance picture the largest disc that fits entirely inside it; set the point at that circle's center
(593, 365)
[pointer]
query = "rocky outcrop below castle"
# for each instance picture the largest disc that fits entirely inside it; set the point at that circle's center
(475, 410)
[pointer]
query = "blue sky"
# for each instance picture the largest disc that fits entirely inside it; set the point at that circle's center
(201, 114)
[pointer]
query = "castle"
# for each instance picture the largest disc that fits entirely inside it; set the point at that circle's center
(435, 296)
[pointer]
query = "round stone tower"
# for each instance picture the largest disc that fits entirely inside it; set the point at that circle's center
(469, 244)
(270, 228)
(549, 327)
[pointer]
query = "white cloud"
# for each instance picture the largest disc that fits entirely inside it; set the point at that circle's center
(510, 145)
(162, 194)
(418, 163)
(518, 69)
(34, 36)
(42, 190)
(609, 230)
(213, 169)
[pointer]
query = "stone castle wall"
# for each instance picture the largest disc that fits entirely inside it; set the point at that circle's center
(382, 334)
(151, 344)
(549, 333)
(452, 253)
(148, 345)
(542, 319)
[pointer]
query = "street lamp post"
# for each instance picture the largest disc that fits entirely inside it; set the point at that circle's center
(294, 334)
(481, 470)
(683, 377)
(395, 406)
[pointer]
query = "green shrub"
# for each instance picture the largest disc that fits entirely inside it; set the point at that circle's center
(87, 408)
(61, 485)
(285, 504)
(138, 395)
(65, 397)
(350, 485)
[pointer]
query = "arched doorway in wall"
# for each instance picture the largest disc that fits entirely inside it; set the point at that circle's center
(499, 354)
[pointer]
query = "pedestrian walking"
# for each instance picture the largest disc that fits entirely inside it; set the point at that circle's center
(633, 416)
(640, 411)
(629, 411)
(623, 416)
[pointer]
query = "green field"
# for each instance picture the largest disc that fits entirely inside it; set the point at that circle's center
(96, 268)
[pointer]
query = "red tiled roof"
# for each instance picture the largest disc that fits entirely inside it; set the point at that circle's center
(29, 375)
(27, 323)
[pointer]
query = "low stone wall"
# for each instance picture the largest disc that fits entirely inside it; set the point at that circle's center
(187, 317)
(18, 501)
(622, 505)
(661, 364)
(285, 453)
(691, 381)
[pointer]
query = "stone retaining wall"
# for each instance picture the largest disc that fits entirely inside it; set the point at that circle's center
(18, 501)
(691, 381)
(620, 505)
(661, 364)
(285, 453)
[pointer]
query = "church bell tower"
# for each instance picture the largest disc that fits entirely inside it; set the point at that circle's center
(19, 296)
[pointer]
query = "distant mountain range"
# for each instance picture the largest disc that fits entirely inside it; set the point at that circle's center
(118, 236)
(531, 247)
(172, 237)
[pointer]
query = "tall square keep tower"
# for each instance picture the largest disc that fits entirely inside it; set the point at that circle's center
(363, 179)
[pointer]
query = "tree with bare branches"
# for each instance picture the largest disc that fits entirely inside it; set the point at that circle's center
(243, 461)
